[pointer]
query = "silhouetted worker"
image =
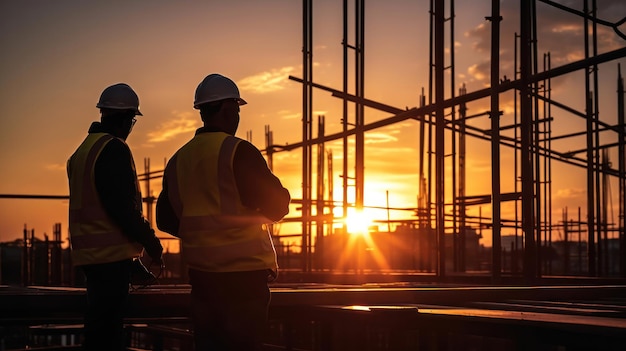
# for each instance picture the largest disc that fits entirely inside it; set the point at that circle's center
(107, 229)
(218, 197)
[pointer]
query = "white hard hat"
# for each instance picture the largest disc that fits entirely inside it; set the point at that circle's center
(119, 97)
(215, 87)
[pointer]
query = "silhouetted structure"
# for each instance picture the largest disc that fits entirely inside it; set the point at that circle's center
(444, 124)
(440, 240)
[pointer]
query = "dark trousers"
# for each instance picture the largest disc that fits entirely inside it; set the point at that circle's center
(107, 292)
(229, 310)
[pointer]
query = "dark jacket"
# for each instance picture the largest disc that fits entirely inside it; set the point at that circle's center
(117, 186)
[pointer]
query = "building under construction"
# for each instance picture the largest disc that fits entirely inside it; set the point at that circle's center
(423, 282)
(445, 128)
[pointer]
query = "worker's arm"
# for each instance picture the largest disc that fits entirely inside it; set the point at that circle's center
(166, 219)
(259, 188)
(116, 183)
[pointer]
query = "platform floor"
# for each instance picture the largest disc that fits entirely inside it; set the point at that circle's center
(382, 316)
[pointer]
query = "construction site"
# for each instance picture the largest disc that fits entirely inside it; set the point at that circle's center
(552, 278)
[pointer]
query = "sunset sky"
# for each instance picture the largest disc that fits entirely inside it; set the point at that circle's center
(57, 56)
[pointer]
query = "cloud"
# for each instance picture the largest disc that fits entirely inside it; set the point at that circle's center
(479, 71)
(570, 193)
(290, 115)
(183, 123)
(266, 82)
(285, 115)
(379, 138)
(56, 167)
(559, 33)
(479, 164)
(482, 37)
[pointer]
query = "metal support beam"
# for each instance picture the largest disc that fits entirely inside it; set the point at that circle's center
(307, 112)
(528, 220)
(439, 19)
(495, 140)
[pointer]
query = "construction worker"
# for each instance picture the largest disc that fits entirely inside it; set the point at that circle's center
(219, 197)
(107, 229)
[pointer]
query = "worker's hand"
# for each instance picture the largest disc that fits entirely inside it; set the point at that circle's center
(155, 251)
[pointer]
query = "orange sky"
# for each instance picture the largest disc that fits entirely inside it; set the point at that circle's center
(58, 56)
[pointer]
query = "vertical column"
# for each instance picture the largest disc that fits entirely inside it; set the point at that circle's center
(320, 201)
(591, 249)
(359, 162)
(440, 137)
(148, 197)
(622, 171)
(344, 120)
(526, 164)
(462, 177)
(495, 139)
(307, 111)
(458, 244)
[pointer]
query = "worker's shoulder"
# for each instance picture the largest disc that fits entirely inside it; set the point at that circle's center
(246, 147)
(116, 145)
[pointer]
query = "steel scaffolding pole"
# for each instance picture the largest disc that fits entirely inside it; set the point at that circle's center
(621, 154)
(344, 119)
(307, 112)
(319, 205)
(601, 253)
(457, 237)
(591, 250)
(359, 162)
(495, 140)
(526, 164)
(536, 156)
(462, 173)
(439, 20)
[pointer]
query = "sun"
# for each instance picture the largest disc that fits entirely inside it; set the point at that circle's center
(358, 223)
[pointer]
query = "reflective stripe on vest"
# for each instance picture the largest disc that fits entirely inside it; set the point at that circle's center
(222, 255)
(218, 233)
(93, 237)
(218, 222)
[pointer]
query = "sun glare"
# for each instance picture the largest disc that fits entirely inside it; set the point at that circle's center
(358, 223)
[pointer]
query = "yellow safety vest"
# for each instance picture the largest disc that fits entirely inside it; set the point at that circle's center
(218, 233)
(94, 238)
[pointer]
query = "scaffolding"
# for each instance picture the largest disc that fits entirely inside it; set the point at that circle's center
(593, 243)
(532, 143)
